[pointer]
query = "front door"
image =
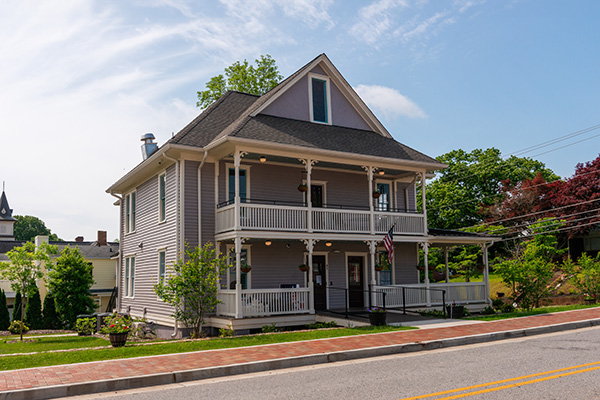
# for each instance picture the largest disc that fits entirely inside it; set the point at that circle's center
(317, 195)
(320, 284)
(355, 282)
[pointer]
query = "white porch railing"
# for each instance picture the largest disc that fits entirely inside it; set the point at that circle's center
(294, 218)
(264, 302)
(416, 295)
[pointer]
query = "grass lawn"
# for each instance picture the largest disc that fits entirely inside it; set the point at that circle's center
(12, 344)
(10, 362)
(536, 311)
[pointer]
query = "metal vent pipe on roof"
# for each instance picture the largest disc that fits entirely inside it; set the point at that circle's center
(149, 147)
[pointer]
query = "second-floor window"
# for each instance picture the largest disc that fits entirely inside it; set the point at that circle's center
(162, 197)
(320, 107)
(129, 276)
(383, 202)
(130, 212)
(243, 185)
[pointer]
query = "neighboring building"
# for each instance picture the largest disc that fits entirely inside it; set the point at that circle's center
(101, 254)
(279, 180)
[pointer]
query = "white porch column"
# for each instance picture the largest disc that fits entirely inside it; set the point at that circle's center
(486, 271)
(425, 247)
(237, 156)
(446, 263)
(372, 249)
(308, 164)
(310, 246)
(423, 202)
(370, 170)
(238, 278)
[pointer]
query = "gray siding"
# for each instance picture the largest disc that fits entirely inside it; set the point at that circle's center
(190, 203)
(294, 104)
(406, 191)
(208, 203)
(144, 243)
(406, 259)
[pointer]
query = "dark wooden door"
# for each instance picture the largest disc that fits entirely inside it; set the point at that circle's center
(317, 195)
(320, 283)
(355, 281)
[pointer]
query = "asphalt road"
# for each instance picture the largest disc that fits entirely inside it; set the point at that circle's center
(554, 366)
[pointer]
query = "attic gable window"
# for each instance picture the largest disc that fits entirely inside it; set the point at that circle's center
(320, 99)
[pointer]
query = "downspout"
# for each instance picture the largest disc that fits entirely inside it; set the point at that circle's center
(176, 327)
(119, 289)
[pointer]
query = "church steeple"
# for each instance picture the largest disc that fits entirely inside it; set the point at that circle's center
(7, 220)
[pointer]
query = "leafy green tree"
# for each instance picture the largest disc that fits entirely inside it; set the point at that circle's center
(33, 310)
(472, 182)
(27, 227)
(4, 314)
(530, 271)
(242, 77)
(49, 314)
(25, 268)
(585, 275)
(191, 288)
(70, 281)
(16, 315)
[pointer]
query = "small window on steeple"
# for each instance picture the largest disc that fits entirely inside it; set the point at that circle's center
(320, 107)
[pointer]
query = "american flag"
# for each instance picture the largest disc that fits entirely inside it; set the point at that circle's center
(388, 242)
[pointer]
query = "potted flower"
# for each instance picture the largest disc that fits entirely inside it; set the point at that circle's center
(303, 187)
(117, 328)
(378, 267)
(245, 268)
(377, 316)
(455, 310)
(303, 267)
(376, 194)
(589, 298)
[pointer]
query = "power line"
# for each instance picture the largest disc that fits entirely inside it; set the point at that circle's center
(546, 233)
(556, 140)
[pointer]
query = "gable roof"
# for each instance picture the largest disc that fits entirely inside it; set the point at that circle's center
(5, 211)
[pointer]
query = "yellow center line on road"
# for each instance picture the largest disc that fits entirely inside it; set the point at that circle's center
(508, 380)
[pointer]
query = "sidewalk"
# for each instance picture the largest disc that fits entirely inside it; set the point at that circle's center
(102, 376)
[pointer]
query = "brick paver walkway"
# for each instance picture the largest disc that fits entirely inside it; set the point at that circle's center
(104, 370)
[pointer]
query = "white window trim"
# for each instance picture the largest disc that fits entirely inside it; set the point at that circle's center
(129, 283)
(159, 252)
(162, 217)
(245, 167)
(230, 248)
(392, 199)
(325, 78)
(130, 219)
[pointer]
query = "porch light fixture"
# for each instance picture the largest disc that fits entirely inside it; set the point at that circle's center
(381, 172)
(263, 159)
(267, 243)
(328, 244)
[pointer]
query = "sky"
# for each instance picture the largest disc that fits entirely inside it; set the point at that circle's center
(81, 81)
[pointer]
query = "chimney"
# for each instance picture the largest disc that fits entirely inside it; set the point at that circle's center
(79, 239)
(102, 238)
(149, 147)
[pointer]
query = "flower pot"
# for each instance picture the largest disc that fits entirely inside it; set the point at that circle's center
(118, 339)
(303, 267)
(303, 188)
(378, 267)
(246, 269)
(455, 311)
(377, 318)
(376, 195)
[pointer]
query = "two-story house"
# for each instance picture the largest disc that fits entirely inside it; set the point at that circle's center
(305, 174)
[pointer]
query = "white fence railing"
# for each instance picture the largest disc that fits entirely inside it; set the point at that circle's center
(416, 295)
(264, 302)
(288, 218)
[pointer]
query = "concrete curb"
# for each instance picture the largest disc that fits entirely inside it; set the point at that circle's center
(49, 392)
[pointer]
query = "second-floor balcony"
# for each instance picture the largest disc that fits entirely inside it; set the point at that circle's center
(287, 216)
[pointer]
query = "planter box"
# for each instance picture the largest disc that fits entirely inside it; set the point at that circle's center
(455, 311)
(378, 319)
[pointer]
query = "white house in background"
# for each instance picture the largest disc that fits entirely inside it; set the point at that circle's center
(276, 181)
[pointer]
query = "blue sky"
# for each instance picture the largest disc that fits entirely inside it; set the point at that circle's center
(81, 81)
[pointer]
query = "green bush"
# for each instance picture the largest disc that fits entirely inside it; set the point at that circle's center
(33, 310)
(497, 304)
(85, 326)
(4, 314)
(507, 308)
(488, 311)
(15, 328)
(270, 328)
(226, 332)
(322, 325)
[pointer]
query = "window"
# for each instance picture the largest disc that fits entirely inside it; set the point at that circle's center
(320, 109)
(130, 213)
(385, 276)
(243, 185)
(162, 197)
(162, 255)
(129, 276)
(383, 202)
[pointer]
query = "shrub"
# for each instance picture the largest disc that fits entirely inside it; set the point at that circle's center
(15, 328)
(270, 328)
(50, 316)
(4, 314)
(322, 325)
(227, 332)
(497, 304)
(507, 308)
(85, 326)
(488, 311)
(33, 310)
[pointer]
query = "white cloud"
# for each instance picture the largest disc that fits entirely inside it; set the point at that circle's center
(375, 20)
(312, 12)
(389, 102)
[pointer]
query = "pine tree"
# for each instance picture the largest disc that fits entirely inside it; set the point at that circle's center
(33, 310)
(17, 307)
(4, 315)
(50, 317)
